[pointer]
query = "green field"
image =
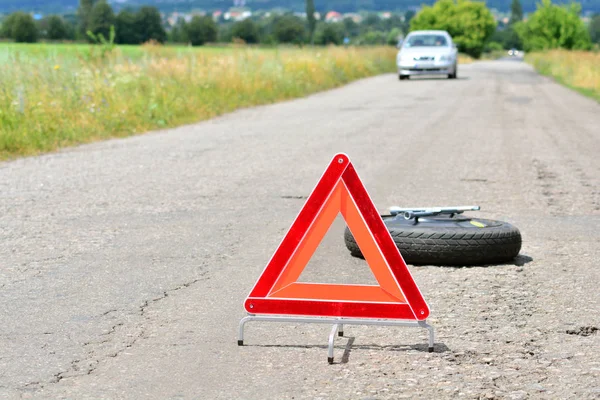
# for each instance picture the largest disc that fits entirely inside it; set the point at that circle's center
(56, 95)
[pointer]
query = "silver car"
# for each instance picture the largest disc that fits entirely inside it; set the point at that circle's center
(427, 53)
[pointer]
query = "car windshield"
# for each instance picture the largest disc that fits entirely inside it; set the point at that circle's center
(426, 41)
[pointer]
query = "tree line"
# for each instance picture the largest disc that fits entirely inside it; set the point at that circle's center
(473, 28)
(95, 17)
(550, 26)
(144, 24)
(470, 23)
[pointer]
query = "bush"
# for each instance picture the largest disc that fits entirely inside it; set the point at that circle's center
(469, 23)
(493, 46)
(552, 26)
(394, 36)
(373, 38)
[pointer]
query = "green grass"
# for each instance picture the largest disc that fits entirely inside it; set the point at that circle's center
(56, 95)
(578, 70)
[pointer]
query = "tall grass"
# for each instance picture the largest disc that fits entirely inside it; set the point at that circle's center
(579, 70)
(58, 95)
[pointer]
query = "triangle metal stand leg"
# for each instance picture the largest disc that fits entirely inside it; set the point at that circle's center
(338, 326)
(331, 340)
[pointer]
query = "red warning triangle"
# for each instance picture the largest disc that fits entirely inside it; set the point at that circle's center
(277, 290)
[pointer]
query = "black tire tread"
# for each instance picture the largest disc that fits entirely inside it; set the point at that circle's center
(451, 246)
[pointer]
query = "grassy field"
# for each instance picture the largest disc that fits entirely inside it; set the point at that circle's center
(579, 70)
(60, 95)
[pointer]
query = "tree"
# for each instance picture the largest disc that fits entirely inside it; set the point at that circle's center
(552, 26)
(312, 21)
(372, 20)
(394, 21)
(178, 32)
(245, 30)
(7, 25)
(57, 28)
(289, 29)
(408, 16)
(201, 30)
(393, 36)
(149, 25)
(101, 19)
(595, 28)
(125, 27)
(71, 25)
(470, 23)
(351, 28)
(516, 12)
(21, 28)
(83, 14)
(225, 34)
(330, 33)
(508, 38)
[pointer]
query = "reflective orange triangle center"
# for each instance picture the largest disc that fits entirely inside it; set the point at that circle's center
(286, 286)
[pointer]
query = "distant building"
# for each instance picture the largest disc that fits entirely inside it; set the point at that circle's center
(333, 16)
(237, 15)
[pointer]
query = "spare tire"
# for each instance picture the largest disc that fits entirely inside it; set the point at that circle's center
(445, 240)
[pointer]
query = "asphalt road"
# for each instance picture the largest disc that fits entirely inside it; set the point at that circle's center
(124, 264)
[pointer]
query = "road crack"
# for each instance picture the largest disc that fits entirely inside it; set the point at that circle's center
(95, 356)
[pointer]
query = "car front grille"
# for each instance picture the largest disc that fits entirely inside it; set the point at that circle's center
(426, 69)
(423, 58)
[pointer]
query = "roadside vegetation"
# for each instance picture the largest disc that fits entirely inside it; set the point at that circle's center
(579, 70)
(104, 74)
(52, 98)
(558, 44)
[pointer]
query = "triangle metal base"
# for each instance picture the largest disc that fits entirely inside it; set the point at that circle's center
(338, 326)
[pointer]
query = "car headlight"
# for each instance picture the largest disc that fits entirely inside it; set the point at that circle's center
(445, 58)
